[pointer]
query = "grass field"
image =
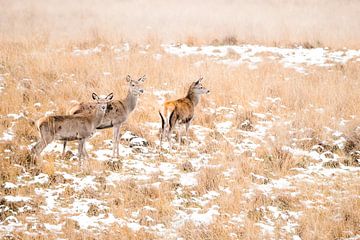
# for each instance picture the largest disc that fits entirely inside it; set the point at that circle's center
(275, 146)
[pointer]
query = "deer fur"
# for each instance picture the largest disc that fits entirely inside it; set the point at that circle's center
(71, 127)
(117, 111)
(180, 111)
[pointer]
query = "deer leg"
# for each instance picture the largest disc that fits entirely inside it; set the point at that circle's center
(64, 148)
(45, 139)
(161, 137)
(115, 140)
(179, 136)
(39, 146)
(187, 125)
(161, 132)
(172, 123)
(84, 151)
(117, 144)
(37, 149)
(81, 151)
(81, 148)
(169, 133)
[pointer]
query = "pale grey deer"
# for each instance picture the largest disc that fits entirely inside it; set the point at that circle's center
(71, 127)
(117, 111)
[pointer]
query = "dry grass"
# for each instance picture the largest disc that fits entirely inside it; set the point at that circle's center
(36, 60)
(214, 231)
(208, 180)
(340, 222)
(54, 86)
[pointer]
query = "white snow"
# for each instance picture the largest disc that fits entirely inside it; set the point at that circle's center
(252, 55)
(207, 217)
(147, 167)
(9, 185)
(188, 179)
(16, 198)
(224, 127)
(2, 83)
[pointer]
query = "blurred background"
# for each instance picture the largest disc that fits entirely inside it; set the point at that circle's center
(333, 23)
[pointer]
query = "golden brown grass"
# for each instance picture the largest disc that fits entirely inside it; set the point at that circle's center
(36, 43)
(54, 86)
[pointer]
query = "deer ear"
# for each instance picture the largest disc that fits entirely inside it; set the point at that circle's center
(128, 78)
(142, 79)
(110, 96)
(198, 81)
(95, 97)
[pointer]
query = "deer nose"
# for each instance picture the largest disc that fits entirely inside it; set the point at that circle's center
(208, 91)
(141, 91)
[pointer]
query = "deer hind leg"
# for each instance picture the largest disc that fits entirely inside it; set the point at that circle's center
(163, 134)
(36, 151)
(187, 125)
(179, 135)
(161, 137)
(38, 147)
(172, 123)
(169, 133)
(45, 139)
(162, 129)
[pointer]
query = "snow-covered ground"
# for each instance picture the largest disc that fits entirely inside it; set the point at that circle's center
(252, 55)
(159, 192)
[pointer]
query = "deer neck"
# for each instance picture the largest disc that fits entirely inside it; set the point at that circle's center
(194, 98)
(130, 101)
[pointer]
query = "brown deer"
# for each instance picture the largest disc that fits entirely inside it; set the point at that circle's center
(181, 111)
(117, 111)
(71, 127)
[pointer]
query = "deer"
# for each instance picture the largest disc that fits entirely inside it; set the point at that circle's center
(180, 111)
(71, 127)
(117, 111)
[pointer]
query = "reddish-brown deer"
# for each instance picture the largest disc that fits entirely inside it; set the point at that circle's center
(181, 111)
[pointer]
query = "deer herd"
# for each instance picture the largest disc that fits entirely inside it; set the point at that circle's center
(84, 118)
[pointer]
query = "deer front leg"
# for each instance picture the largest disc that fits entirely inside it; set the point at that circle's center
(118, 139)
(115, 140)
(64, 148)
(85, 152)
